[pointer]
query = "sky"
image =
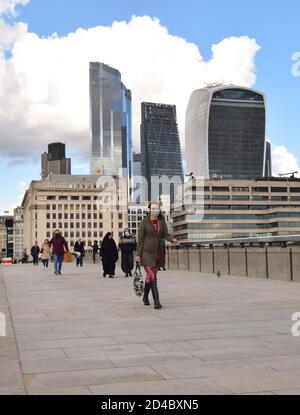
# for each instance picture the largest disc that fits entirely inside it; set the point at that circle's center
(163, 49)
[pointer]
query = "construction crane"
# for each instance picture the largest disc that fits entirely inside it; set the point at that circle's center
(292, 175)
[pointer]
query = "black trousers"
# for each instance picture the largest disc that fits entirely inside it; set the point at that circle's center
(79, 261)
(35, 260)
(127, 262)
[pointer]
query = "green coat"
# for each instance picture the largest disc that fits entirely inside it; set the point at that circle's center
(150, 243)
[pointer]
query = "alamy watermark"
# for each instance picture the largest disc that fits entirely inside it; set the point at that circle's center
(296, 65)
(184, 196)
(2, 325)
(296, 325)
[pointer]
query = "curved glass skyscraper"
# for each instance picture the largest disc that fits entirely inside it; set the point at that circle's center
(225, 133)
(111, 129)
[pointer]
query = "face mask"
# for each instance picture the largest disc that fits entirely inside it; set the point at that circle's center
(126, 234)
(155, 212)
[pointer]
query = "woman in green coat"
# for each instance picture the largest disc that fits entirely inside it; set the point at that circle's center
(152, 232)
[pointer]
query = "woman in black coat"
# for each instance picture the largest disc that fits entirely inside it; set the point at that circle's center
(109, 255)
(79, 247)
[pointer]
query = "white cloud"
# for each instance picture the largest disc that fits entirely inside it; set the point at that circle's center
(44, 91)
(9, 6)
(22, 186)
(283, 161)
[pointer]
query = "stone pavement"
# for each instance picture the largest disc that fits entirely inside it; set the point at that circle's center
(83, 334)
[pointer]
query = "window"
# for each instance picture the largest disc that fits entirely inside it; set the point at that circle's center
(260, 189)
(278, 189)
(220, 189)
(51, 197)
(86, 198)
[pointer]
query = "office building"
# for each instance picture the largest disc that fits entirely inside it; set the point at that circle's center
(160, 145)
(75, 205)
(110, 122)
(225, 133)
(239, 209)
(55, 161)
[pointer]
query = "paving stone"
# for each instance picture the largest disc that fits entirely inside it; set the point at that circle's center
(84, 334)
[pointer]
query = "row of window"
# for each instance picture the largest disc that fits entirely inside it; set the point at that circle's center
(222, 235)
(238, 216)
(246, 198)
(238, 225)
(77, 225)
(199, 208)
(262, 189)
(72, 197)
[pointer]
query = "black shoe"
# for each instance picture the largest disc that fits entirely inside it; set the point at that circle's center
(55, 272)
(104, 275)
(155, 294)
(130, 274)
(146, 294)
(126, 275)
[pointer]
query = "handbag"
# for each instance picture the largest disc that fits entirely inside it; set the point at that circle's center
(138, 281)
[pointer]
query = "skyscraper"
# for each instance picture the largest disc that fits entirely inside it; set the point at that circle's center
(268, 163)
(225, 133)
(55, 161)
(160, 144)
(110, 110)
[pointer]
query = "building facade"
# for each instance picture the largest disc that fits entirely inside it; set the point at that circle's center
(160, 144)
(18, 233)
(225, 133)
(240, 209)
(110, 123)
(6, 236)
(55, 161)
(77, 205)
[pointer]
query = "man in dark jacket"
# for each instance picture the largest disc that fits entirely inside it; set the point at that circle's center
(95, 251)
(35, 252)
(59, 246)
(127, 246)
(79, 247)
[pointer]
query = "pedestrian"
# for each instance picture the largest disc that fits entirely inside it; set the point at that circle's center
(59, 246)
(79, 247)
(127, 246)
(35, 252)
(109, 255)
(95, 251)
(152, 232)
(46, 253)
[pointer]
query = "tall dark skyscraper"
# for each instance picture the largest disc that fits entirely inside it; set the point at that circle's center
(55, 161)
(160, 144)
(111, 122)
(268, 165)
(225, 133)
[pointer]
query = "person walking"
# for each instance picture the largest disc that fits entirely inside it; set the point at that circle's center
(127, 246)
(35, 252)
(109, 255)
(59, 246)
(79, 247)
(95, 251)
(152, 232)
(46, 253)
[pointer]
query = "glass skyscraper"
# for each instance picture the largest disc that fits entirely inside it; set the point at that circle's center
(225, 133)
(111, 122)
(160, 144)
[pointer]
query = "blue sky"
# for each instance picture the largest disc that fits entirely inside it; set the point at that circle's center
(274, 25)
